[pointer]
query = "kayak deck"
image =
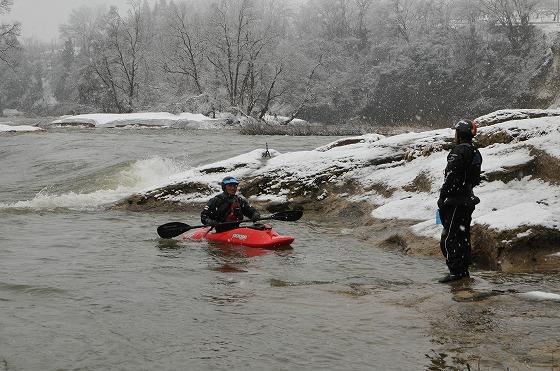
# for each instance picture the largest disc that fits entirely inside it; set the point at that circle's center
(243, 236)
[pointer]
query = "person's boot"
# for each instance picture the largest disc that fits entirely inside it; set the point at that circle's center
(452, 277)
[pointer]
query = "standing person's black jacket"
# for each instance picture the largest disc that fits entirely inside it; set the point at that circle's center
(223, 208)
(459, 178)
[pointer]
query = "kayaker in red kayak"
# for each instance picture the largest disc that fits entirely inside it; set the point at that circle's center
(227, 207)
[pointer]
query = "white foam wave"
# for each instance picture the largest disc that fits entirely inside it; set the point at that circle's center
(139, 175)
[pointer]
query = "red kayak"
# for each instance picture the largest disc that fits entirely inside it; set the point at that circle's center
(264, 237)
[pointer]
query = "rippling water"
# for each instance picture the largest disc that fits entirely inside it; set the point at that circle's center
(83, 287)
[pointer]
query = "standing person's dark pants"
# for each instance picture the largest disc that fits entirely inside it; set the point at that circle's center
(455, 239)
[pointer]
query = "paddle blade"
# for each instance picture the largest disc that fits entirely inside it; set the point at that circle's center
(288, 216)
(173, 229)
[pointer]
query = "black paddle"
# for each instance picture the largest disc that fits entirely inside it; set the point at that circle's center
(174, 229)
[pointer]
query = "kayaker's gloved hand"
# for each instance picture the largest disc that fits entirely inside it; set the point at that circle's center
(256, 216)
(209, 221)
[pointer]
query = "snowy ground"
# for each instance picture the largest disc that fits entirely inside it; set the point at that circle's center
(281, 119)
(154, 119)
(17, 128)
(162, 120)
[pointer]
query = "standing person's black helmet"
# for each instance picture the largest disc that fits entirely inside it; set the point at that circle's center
(465, 129)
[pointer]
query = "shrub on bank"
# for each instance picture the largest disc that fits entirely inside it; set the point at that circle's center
(260, 128)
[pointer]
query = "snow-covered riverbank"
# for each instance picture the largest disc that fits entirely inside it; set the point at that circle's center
(184, 120)
(517, 223)
(5, 128)
(145, 119)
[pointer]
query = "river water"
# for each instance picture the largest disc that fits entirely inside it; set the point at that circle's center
(84, 287)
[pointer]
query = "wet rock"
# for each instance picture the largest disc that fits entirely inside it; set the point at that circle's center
(422, 183)
(211, 170)
(395, 242)
(463, 291)
(524, 249)
(509, 173)
(165, 198)
(349, 141)
(426, 150)
(545, 166)
(486, 139)
(341, 143)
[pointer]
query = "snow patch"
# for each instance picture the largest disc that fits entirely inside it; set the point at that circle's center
(163, 119)
(524, 234)
(18, 128)
(269, 198)
(540, 295)
(270, 119)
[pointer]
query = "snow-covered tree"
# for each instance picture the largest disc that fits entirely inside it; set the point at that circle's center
(118, 57)
(184, 46)
(513, 17)
(241, 43)
(8, 33)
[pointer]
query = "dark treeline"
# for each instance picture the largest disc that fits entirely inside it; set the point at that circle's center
(375, 61)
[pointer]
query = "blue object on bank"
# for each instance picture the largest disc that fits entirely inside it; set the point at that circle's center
(438, 218)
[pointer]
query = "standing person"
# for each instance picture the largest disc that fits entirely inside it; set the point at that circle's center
(228, 206)
(457, 201)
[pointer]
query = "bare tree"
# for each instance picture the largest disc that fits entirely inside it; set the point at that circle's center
(239, 39)
(361, 27)
(229, 49)
(118, 59)
(402, 17)
(8, 33)
(307, 94)
(470, 13)
(271, 93)
(5, 6)
(185, 56)
(85, 24)
(513, 17)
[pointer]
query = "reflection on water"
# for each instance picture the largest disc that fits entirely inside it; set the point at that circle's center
(225, 258)
(227, 252)
(228, 258)
(228, 268)
(168, 244)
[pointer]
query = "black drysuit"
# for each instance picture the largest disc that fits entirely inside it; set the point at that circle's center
(456, 205)
(224, 208)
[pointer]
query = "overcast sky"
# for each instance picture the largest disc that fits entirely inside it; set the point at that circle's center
(40, 18)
